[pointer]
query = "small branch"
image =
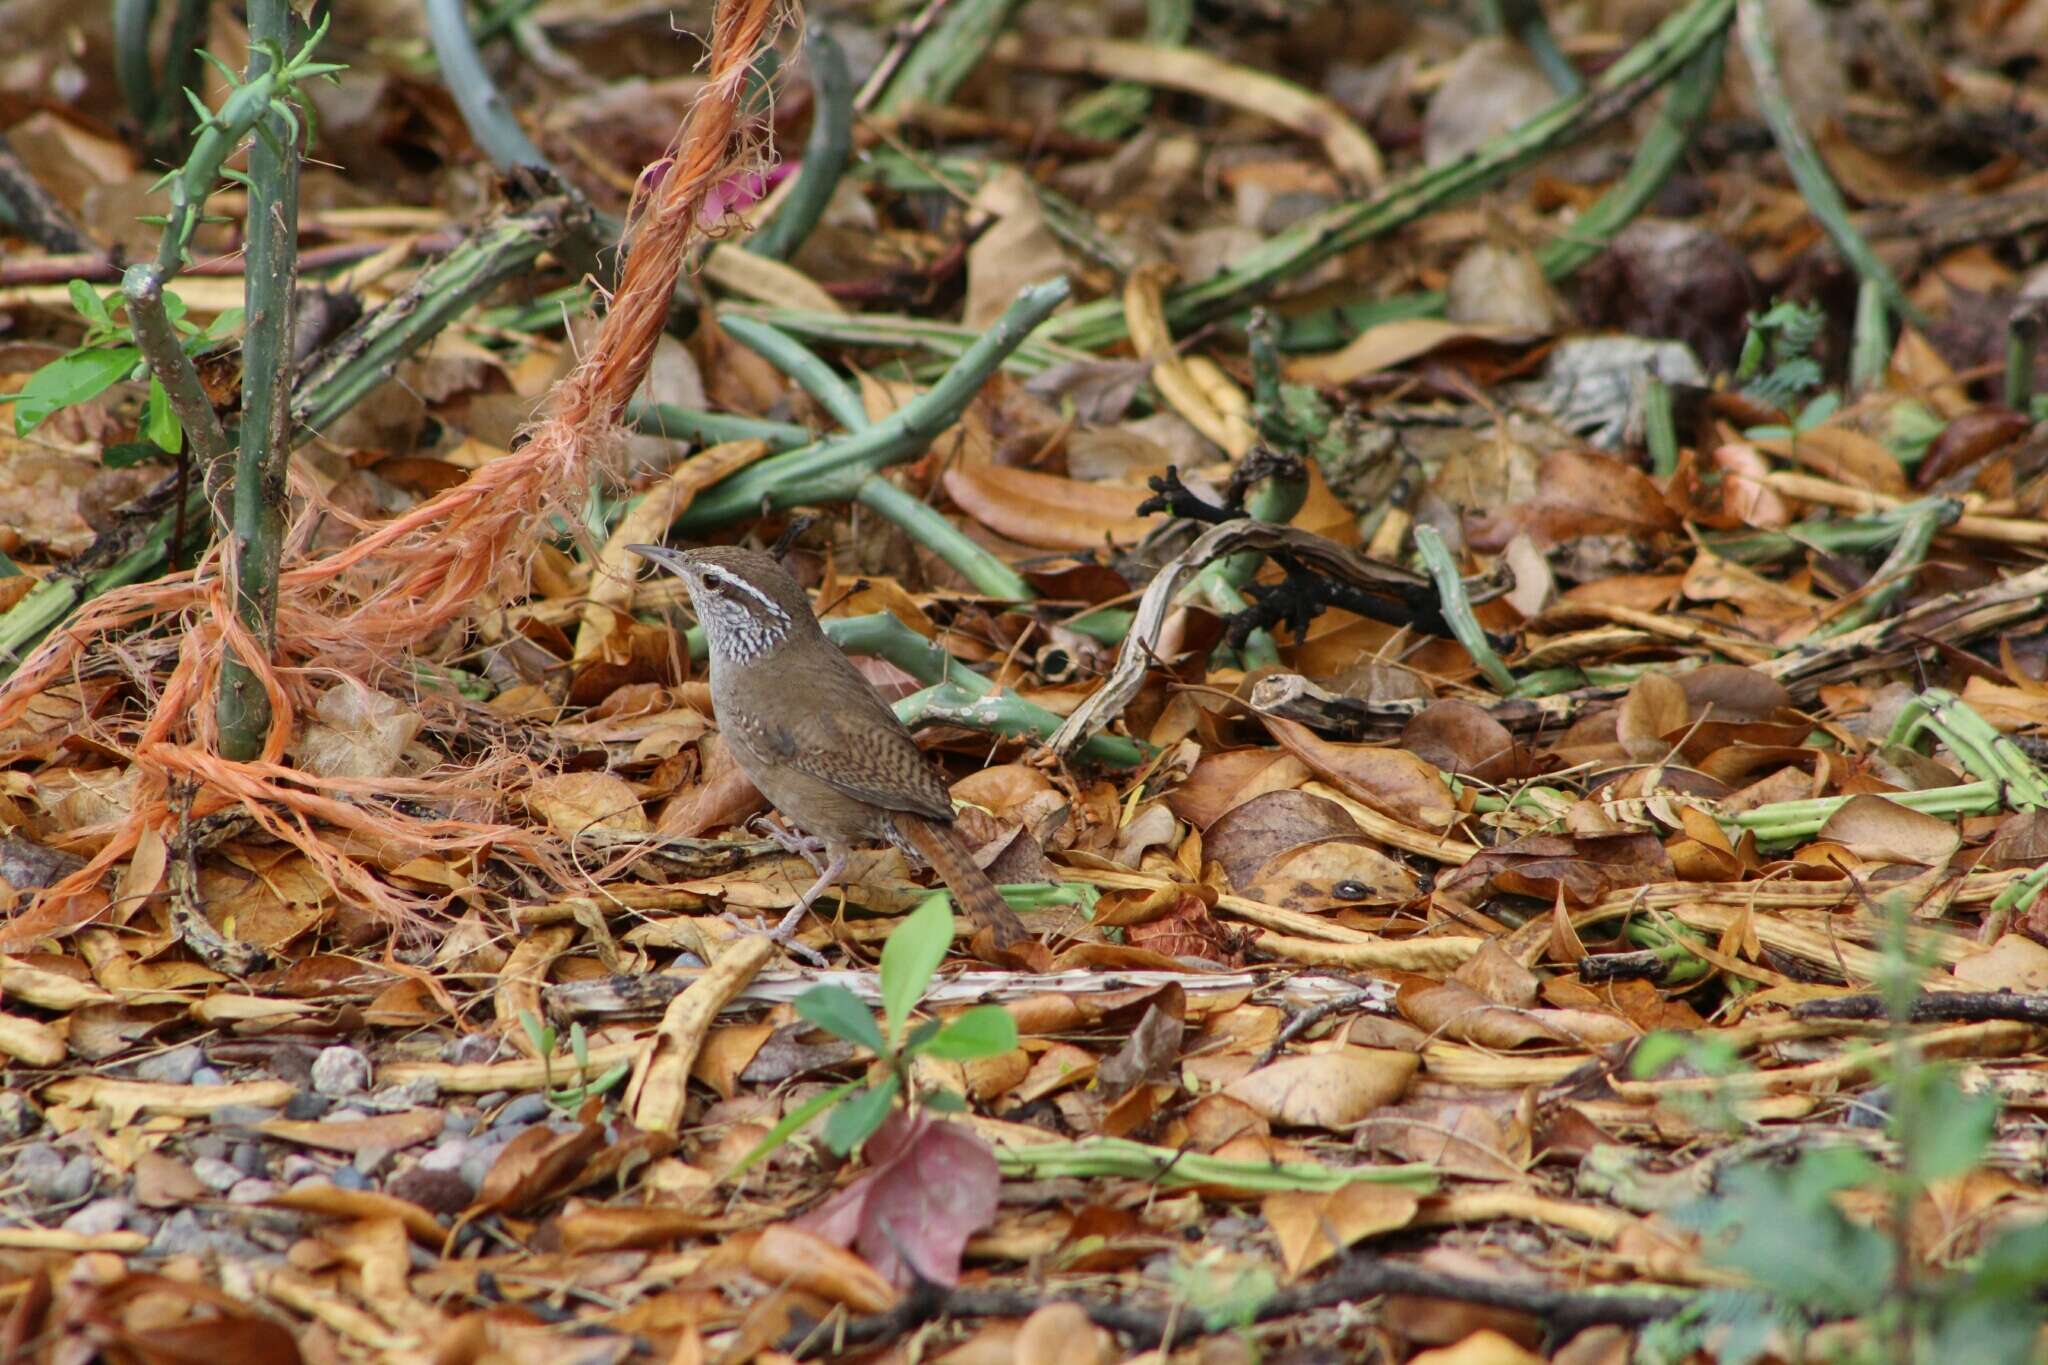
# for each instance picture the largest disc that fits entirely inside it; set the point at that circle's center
(712, 428)
(1939, 1007)
(825, 155)
(35, 215)
(997, 711)
(944, 55)
(929, 527)
(143, 289)
(802, 364)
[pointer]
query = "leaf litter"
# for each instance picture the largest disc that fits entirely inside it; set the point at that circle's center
(1488, 618)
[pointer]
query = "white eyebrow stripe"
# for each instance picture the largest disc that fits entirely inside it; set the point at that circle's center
(734, 580)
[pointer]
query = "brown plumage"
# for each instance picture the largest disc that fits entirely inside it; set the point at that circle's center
(814, 735)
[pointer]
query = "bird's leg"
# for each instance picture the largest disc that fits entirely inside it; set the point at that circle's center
(784, 933)
(790, 840)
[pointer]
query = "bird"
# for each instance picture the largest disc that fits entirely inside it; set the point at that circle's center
(815, 737)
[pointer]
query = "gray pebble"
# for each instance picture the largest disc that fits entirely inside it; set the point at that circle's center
(341, 1071)
(248, 1158)
(74, 1182)
(206, 1075)
(349, 1178)
(214, 1145)
(522, 1111)
(18, 1115)
(458, 1122)
(471, 1049)
(36, 1166)
(493, 1100)
(448, 1155)
(251, 1191)
(242, 1115)
(217, 1175)
(297, 1167)
(372, 1160)
(176, 1067)
(306, 1105)
(100, 1216)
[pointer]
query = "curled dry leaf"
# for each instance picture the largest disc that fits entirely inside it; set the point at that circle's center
(1325, 1089)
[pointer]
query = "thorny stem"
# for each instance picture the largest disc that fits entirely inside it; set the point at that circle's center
(945, 55)
(832, 470)
(242, 709)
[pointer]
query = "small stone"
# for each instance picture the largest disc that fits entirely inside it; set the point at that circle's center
(99, 1217)
(217, 1175)
(448, 1155)
(477, 1165)
(206, 1075)
(522, 1111)
(74, 1182)
(436, 1191)
(349, 1178)
(471, 1049)
(182, 1234)
(371, 1160)
(176, 1067)
(493, 1100)
(215, 1145)
(297, 1167)
(458, 1123)
(18, 1115)
(422, 1090)
(242, 1115)
(306, 1106)
(341, 1071)
(251, 1191)
(37, 1166)
(248, 1158)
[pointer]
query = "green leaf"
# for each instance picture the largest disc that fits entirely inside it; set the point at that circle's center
(793, 1120)
(88, 304)
(128, 454)
(74, 378)
(1946, 1131)
(944, 1102)
(855, 1121)
(984, 1031)
(579, 1047)
(840, 1013)
(542, 1036)
(913, 952)
(160, 425)
(921, 1036)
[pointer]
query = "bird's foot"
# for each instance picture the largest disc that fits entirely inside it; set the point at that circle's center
(802, 845)
(783, 935)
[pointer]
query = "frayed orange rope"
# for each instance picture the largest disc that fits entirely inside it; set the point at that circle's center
(350, 612)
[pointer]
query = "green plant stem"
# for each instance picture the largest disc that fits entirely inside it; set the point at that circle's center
(1118, 108)
(142, 288)
(945, 56)
(930, 528)
(1525, 19)
(1457, 608)
(2022, 341)
(157, 105)
(1823, 200)
(1850, 535)
(371, 351)
(826, 153)
(1645, 67)
(802, 364)
(1870, 353)
(242, 707)
(712, 428)
(1789, 821)
(1897, 572)
(1660, 431)
(1028, 357)
(832, 470)
(490, 120)
(1000, 712)
(1169, 1168)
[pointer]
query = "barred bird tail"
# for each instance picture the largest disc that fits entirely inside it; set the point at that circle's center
(972, 890)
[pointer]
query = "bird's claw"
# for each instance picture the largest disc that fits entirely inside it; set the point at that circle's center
(783, 935)
(790, 841)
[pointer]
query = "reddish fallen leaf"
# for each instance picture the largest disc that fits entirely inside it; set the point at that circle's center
(932, 1185)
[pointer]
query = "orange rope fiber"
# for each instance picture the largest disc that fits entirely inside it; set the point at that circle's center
(353, 612)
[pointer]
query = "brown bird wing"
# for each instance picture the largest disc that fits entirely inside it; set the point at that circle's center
(851, 740)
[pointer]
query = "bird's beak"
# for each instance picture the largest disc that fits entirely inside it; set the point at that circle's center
(672, 560)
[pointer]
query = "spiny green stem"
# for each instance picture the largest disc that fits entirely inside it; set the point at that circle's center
(142, 288)
(802, 364)
(712, 428)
